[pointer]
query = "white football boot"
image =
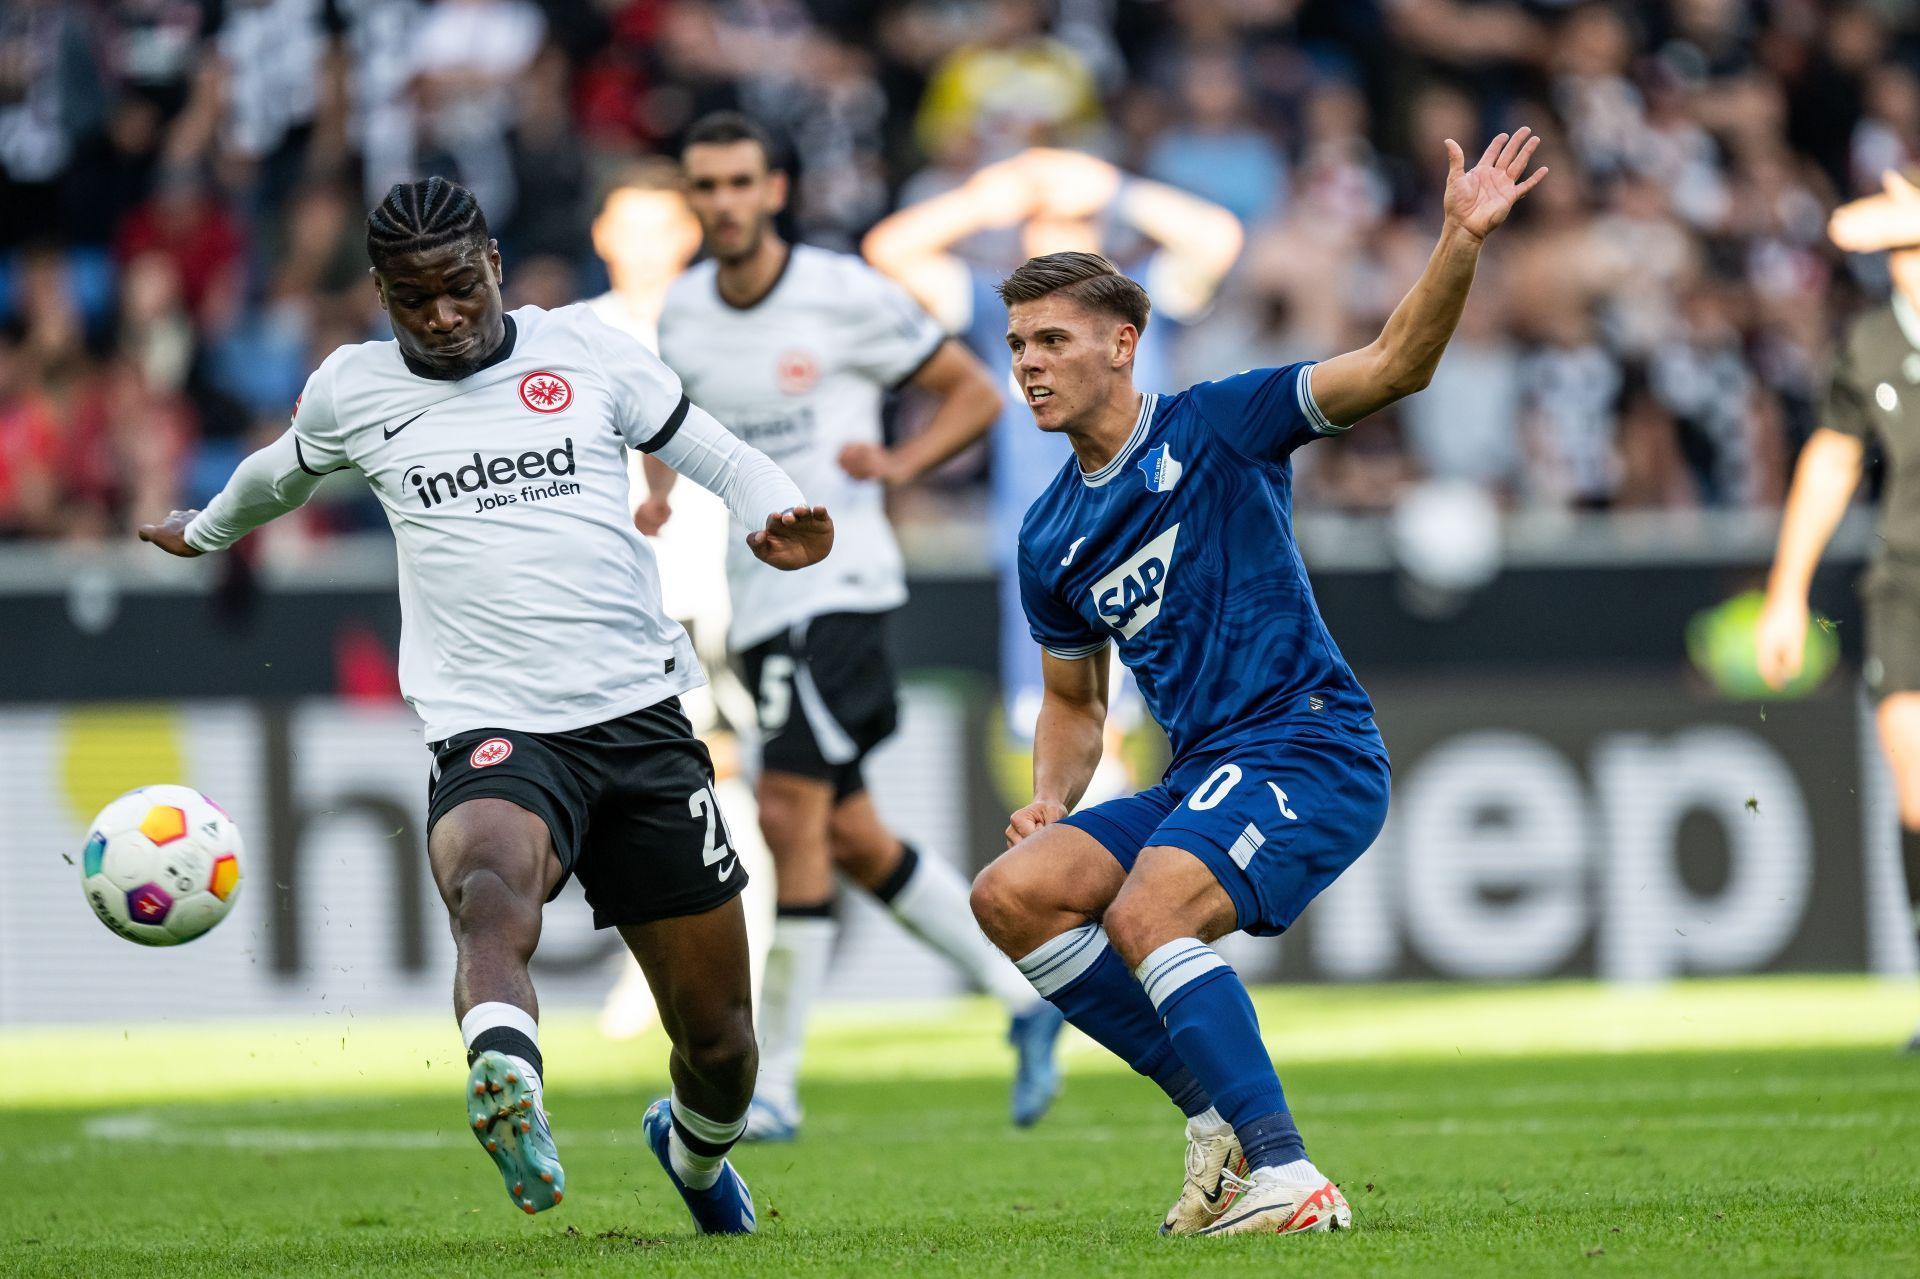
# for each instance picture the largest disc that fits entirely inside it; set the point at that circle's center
(1214, 1168)
(771, 1121)
(1268, 1205)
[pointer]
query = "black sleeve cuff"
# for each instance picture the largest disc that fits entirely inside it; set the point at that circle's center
(301, 458)
(921, 364)
(672, 428)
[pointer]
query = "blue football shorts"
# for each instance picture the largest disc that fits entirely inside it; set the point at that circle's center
(1275, 822)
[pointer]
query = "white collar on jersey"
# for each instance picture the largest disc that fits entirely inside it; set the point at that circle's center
(1112, 468)
(1909, 319)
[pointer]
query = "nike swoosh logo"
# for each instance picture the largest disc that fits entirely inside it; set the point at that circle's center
(726, 872)
(1221, 1187)
(404, 425)
(1072, 551)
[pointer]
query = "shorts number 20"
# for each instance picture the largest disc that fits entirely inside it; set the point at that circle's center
(702, 804)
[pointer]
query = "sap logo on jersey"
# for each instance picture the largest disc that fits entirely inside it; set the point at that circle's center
(495, 472)
(1130, 596)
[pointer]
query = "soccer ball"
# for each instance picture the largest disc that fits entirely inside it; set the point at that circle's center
(162, 865)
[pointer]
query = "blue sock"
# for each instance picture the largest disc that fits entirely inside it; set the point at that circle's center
(1211, 1022)
(1078, 973)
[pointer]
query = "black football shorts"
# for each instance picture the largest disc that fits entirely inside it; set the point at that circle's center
(629, 802)
(1890, 600)
(826, 697)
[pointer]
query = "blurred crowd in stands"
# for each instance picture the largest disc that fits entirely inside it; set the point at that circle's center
(182, 185)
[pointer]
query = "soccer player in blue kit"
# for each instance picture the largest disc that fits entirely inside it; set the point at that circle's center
(1170, 534)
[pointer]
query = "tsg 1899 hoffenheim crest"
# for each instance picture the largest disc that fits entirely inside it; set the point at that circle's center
(1162, 471)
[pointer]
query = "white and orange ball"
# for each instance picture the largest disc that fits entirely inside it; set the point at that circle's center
(161, 865)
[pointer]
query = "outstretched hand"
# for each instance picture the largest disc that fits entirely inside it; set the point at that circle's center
(170, 534)
(1479, 199)
(793, 538)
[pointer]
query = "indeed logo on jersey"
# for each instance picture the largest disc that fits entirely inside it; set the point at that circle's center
(498, 473)
(1130, 597)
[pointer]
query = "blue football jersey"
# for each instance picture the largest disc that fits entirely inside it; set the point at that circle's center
(1181, 551)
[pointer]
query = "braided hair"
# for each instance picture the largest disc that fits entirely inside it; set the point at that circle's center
(417, 216)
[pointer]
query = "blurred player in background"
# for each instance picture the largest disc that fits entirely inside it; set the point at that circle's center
(1873, 395)
(1170, 533)
(1059, 201)
(799, 346)
(646, 235)
(535, 648)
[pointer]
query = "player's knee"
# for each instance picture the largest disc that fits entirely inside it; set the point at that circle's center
(1134, 929)
(722, 1049)
(869, 861)
(482, 901)
(784, 819)
(999, 906)
(857, 839)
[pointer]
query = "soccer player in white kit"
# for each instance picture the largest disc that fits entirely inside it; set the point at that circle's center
(797, 348)
(534, 646)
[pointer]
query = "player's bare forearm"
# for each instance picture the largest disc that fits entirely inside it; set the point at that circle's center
(997, 195)
(1823, 483)
(659, 476)
(1067, 743)
(1071, 728)
(654, 510)
(1066, 739)
(969, 404)
(1203, 239)
(1402, 360)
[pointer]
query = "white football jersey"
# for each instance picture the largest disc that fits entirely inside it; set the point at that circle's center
(691, 548)
(800, 375)
(527, 598)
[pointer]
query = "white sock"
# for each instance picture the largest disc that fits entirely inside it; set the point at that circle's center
(797, 964)
(484, 1017)
(933, 906)
(1060, 961)
(1206, 1124)
(1300, 1171)
(697, 1170)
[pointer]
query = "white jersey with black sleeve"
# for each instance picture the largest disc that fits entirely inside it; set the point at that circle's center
(801, 374)
(528, 600)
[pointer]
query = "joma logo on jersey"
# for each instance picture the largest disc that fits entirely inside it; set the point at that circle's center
(490, 472)
(1130, 597)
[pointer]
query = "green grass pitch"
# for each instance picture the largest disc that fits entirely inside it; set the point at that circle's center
(1750, 1128)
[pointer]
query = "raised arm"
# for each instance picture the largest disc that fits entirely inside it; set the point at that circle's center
(265, 486)
(1199, 241)
(1823, 484)
(1402, 359)
(1876, 223)
(915, 245)
(1066, 739)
